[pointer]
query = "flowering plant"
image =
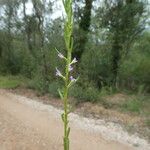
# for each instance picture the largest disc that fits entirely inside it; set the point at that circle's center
(69, 80)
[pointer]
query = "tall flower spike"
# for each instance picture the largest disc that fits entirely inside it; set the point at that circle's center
(68, 30)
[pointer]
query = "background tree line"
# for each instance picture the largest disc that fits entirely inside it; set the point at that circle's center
(111, 43)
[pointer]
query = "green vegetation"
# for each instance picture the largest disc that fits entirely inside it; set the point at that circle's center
(132, 105)
(10, 82)
(111, 44)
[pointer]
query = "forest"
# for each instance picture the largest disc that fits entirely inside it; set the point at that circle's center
(111, 45)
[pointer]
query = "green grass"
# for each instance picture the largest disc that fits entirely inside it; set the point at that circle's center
(137, 104)
(10, 82)
(132, 105)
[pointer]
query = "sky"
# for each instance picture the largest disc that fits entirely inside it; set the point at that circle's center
(57, 8)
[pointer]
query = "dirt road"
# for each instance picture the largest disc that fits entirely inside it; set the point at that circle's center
(25, 127)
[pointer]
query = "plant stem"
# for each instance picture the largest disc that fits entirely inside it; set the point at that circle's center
(66, 138)
(68, 42)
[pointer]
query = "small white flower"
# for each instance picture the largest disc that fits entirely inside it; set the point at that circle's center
(70, 68)
(73, 79)
(58, 73)
(74, 61)
(60, 55)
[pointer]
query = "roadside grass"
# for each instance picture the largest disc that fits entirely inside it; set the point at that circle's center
(132, 105)
(11, 82)
(135, 103)
(138, 104)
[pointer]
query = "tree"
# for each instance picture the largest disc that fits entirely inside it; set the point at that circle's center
(30, 29)
(84, 26)
(123, 22)
(9, 19)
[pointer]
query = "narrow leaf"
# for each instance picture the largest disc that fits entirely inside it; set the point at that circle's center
(68, 132)
(61, 95)
(62, 117)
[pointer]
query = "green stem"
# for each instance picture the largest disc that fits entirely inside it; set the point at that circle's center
(66, 128)
(68, 42)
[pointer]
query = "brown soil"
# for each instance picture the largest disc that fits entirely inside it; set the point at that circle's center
(25, 128)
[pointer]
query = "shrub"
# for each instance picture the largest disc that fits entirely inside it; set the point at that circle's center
(95, 65)
(134, 71)
(38, 83)
(85, 94)
(53, 88)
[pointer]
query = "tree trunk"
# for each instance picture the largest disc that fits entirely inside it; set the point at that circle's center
(116, 56)
(39, 14)
(28, 31)
(83, 29)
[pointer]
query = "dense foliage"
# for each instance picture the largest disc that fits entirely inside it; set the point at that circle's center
(112, 45)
